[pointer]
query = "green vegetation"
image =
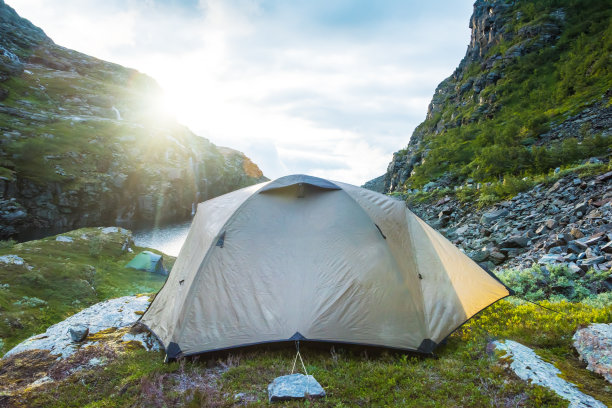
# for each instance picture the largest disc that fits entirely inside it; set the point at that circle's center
(489, 193)
(557, 282)
(58, 279)
(500, 128)
(462, 375)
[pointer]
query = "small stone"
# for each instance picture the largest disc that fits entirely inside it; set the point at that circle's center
(550, 258)
(576, 233)
(574, 268)
(579, 245)
(551, 223)
(491, 216)
(581, 207)
(497, 257)
(593, 261)
(515, 241)
(479, 256)
(593, 239)
(78, 332)
(607, 248)
(63, 238)
(294, 386)
(12, 259)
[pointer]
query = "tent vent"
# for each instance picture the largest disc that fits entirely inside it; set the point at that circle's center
(381, 233)
(181, 281)
(221, 240)
(300, 190)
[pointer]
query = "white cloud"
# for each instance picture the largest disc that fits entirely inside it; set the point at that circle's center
(325, 88)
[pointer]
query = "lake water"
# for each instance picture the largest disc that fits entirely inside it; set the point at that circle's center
(167, 238)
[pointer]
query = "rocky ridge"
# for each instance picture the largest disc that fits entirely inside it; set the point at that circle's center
(566, 223)
(503, 36)
(83, 142)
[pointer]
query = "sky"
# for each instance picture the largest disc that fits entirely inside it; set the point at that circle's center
(329, 88)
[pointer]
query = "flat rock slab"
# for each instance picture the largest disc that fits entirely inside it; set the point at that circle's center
(594, 344)
(117, 313)
(294, 386)
(529, 367)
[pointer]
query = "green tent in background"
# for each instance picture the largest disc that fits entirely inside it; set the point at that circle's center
(148, 261)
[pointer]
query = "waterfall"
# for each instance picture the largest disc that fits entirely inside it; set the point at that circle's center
(117, 113)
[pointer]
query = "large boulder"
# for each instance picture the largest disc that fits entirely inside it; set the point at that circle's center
(594, 345)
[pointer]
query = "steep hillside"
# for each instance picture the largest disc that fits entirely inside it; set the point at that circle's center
(84, 142)
(532, 93)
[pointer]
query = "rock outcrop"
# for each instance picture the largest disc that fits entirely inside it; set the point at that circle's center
(486, 103)
(82, 141)
(530, 367)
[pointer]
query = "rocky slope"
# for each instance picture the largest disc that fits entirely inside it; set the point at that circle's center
(532, 93)
(566, 222)
(82, 141)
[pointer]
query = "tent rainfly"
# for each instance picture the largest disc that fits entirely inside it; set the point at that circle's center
(148, 261)
(303, 258)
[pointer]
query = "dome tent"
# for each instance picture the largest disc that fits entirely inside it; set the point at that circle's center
(303, 258)
(148, 261)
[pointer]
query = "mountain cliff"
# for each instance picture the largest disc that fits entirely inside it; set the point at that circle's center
(532, 93)
(83, 141)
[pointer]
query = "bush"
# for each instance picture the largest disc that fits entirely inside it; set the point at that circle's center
(555, 283)
(9, 243)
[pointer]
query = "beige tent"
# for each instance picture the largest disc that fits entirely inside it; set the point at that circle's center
(303, 258)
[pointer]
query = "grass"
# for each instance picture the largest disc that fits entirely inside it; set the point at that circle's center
(67, 277)
(465, 373)
(462, 375)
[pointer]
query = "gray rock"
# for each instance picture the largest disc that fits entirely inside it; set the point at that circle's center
(63, 238)
(119, 312)
(479, 256)
(552, 223)
(12, 260)
(550, 258)
(294, 386)
(594, 345)
(78, 332)
(530, 367)
(491, 216)
(515, 241)
(596, 260)
(497, 257)
(581, 207)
